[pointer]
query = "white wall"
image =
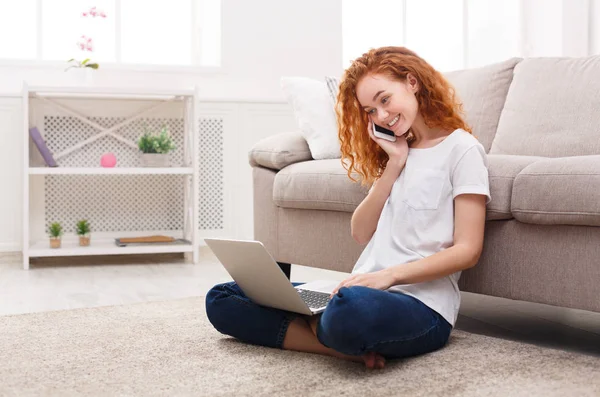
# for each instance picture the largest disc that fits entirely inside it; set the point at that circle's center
(559, 28)
(541, 30)
(594, 27)
(268, 38)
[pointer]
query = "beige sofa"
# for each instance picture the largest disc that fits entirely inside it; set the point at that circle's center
(539, 120)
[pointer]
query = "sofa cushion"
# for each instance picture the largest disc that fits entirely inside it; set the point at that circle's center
(551, 109)
(560, 191)
(503, 169)
(324, 185)
(280, 150)
(483, 93)
(319, 185)
(314, 114)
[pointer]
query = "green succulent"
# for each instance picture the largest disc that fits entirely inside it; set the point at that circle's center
(55, 230)
(160, 142)
(83, 227)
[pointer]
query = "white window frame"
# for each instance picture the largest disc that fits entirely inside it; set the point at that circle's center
(196, 40)
(465, 30)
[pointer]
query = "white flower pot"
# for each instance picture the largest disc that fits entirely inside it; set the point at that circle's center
(155, 160)
(82, 76)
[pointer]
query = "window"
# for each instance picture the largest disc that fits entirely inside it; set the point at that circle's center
(18, 21)
(493, 31)
(374, 25)
(158, 32)
(434, 30)
(449, 34)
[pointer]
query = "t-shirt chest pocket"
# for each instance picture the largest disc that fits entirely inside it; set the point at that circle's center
(423, 188)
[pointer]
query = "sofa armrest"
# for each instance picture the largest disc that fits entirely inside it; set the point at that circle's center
(503, 169)
(558, 191)
(279, 151)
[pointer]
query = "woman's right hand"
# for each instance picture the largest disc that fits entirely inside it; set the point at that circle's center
(397, 151)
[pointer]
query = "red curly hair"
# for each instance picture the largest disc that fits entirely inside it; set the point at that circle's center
(437, 101)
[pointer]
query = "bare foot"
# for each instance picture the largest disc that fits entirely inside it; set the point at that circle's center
(371, 359)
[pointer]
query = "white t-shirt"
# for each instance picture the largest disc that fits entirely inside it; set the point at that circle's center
(417, 219)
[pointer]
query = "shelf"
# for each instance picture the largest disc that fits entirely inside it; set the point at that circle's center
(70, 247)
(38, 103)
(108, 92)
(110, 171)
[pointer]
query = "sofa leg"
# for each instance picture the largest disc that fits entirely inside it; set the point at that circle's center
(286, 267)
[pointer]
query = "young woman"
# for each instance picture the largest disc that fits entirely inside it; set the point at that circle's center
(422, 220)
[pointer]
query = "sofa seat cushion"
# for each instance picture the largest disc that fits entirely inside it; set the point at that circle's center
(559, 191)
(324, 185)
(318, 185)
(502, 170)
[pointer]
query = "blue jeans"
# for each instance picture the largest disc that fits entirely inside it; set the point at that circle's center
(357, 320)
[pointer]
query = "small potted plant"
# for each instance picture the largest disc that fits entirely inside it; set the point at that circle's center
(155, 148)
(55, 231)
(83, 231)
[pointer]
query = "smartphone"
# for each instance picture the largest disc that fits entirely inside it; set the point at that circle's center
(384, 133)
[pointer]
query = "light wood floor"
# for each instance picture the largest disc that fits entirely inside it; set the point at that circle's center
(78, 282)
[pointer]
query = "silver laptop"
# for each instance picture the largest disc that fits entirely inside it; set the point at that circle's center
(262, 280)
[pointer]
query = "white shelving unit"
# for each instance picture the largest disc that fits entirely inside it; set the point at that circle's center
(102, 243)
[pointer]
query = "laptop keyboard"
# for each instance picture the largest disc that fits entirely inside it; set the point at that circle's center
(314, 299)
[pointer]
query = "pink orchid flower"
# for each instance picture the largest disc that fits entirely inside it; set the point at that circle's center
(85, 44)
(94, 12)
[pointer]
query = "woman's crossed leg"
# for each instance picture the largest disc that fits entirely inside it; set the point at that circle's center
(359, 324)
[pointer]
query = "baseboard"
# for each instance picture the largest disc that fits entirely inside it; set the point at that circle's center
(10, 248)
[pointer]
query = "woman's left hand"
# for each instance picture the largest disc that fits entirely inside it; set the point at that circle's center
(381, 279)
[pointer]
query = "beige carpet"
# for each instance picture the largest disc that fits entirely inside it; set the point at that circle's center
(170, 348)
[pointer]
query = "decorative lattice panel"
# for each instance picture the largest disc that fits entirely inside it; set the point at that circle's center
(62, 132)
(130, 202)
(211, 174)
(115, 202)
